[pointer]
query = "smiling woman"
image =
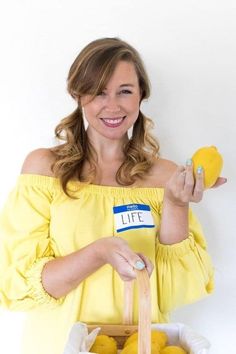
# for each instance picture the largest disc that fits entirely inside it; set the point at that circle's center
(117, 106)
(108, 81)
(86, 213)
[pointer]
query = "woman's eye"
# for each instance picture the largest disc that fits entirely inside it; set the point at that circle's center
(126, 91)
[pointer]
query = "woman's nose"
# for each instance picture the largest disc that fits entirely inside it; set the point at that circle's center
(112, 104)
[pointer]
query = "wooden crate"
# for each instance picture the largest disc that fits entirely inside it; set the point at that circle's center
(119, 332)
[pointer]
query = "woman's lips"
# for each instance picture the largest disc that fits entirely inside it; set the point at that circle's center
(113, 122)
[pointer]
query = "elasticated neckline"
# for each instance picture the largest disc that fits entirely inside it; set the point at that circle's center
(43, 181)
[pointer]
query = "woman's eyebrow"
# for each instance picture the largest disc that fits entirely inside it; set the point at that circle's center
(127, 85)
(123, 85)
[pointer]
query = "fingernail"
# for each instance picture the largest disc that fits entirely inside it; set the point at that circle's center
(139, 265)
(189, 162)
(224, 180)
(199, 170)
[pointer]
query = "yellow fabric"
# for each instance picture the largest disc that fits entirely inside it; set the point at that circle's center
(39, 222)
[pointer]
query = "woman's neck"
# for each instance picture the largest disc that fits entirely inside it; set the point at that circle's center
(108, 150)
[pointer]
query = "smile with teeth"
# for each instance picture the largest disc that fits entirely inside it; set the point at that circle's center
(113, 122)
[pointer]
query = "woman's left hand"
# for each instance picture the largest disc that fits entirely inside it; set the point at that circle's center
(183, 187)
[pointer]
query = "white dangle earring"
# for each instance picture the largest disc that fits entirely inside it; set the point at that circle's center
(84, 119)
(130, 132)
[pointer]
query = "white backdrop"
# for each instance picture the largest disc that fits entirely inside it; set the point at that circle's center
(189, 47)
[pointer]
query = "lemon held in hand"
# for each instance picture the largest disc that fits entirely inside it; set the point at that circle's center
(173, 349)
(104, 345)
(211, 160)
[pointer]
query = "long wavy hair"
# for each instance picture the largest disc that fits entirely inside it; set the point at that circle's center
(89, 74)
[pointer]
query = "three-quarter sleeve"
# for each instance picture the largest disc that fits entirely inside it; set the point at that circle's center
(184, 270)
(25, 245)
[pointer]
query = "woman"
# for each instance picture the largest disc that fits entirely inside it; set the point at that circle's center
(87, 212)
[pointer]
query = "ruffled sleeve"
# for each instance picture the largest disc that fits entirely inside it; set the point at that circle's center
(184, 270)
(25, 244)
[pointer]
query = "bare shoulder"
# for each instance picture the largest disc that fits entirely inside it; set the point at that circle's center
(161, 172)
(39, 162)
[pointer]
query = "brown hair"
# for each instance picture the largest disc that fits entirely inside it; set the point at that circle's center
(89, 74)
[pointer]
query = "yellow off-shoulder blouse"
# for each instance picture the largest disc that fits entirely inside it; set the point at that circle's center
(39, 223)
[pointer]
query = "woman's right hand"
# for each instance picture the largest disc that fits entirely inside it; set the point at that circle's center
(63, 274)
(116, 252)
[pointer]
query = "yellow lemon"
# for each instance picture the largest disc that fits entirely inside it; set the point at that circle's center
(211, 160)
(104, 345)
(160, 337)
(132, 348)
(157, 337)
(173, 349)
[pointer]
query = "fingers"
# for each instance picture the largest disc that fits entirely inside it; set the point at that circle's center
(185, 182)
(139, 261)
(126, 267)
(199, 185)
(219, 182)
(183, 187)
(124, 260)
(189, 179)
(148, 264)
(134, 260)
(180, 174)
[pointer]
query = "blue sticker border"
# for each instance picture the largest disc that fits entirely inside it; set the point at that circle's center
(130, 207)
(135, 227)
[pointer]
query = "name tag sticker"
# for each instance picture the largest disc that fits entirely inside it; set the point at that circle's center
(132, 216)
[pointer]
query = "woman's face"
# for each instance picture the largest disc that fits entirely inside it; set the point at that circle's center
(112, 112)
